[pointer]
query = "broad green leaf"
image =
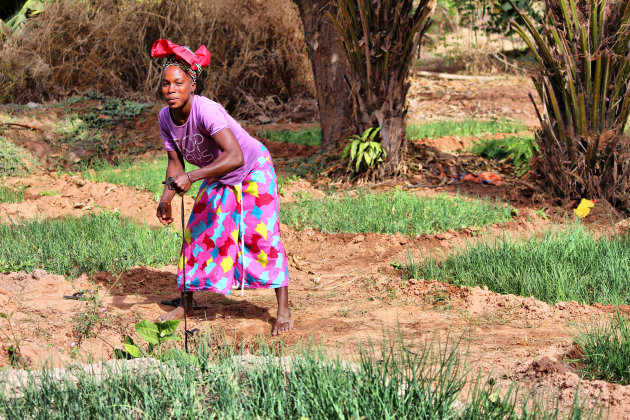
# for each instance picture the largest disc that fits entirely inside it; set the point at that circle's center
(345, 151)
(132, 350)
(148, 331)
(168, 327)
(376, 131)
(362, 148)
(3, 315)
(353, 149)
(358, 164)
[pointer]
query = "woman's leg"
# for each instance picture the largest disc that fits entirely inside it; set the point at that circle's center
(284, 320)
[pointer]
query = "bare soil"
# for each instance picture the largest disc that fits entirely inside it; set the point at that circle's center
(344, 291)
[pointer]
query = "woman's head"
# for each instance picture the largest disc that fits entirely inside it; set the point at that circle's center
(177, 86)
(181, 70)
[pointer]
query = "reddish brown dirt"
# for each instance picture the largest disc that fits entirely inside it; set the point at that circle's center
(505, 97)
(344, 292)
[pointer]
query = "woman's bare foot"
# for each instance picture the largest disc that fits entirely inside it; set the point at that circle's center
(178, 313)
(284, 321)
(283, 324)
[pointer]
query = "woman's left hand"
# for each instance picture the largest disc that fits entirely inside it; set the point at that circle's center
(181, 183)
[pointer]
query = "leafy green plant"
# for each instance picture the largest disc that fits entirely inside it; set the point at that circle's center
(155, 334)
(518, 149)
(15, 355)
(364, 150)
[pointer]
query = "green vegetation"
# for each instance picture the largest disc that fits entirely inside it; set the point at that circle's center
(11, 195)
(12, 158)
(97, 126)
(583, 107)
(497, 14)
(393, 212)
(606, 348)
(396, 383)
(146, 175)
(305, 136)
(106, 113)
(12, 339)
(285, 180)
(72, 246)
(155, 334)
(91, 318)
(49, 193)
(364, 150)
(518, 149)
(442, 128)
(563, 266)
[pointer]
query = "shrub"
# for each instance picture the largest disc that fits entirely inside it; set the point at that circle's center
(258, 54)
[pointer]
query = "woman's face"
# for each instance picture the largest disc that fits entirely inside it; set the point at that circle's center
(177, 87)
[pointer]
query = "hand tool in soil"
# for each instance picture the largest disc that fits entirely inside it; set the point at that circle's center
(169, 183)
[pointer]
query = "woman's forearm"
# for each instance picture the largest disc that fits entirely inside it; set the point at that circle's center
(173, 169)
(224, 164)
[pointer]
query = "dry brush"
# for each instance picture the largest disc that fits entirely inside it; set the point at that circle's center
(258, 53)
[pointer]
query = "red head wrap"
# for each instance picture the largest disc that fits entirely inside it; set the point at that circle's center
(177, 53)
(164, 48)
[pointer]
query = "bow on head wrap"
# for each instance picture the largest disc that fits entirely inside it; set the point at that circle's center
(182, 57)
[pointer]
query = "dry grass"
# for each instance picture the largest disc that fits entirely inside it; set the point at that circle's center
(258, 53)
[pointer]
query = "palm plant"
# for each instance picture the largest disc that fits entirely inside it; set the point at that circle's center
(582, 79)
(380, 38)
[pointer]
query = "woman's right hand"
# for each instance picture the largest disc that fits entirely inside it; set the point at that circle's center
(164, 213)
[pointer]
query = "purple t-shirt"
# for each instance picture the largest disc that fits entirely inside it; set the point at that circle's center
(194, 138)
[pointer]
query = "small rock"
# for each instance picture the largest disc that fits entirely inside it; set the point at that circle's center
(264, 119)
(444, 236)
(358, 239)
(32, 105)
(38, 274)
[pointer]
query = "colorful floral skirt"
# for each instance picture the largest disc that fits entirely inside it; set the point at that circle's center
(234, 232)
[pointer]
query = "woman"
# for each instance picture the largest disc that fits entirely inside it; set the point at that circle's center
(232, 236)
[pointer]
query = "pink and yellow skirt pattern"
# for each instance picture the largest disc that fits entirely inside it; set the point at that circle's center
(234, 232)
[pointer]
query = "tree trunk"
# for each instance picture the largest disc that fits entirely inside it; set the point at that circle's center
(329, 67)
(394, 142)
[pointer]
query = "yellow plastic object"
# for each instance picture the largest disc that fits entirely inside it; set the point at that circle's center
(584, 208)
